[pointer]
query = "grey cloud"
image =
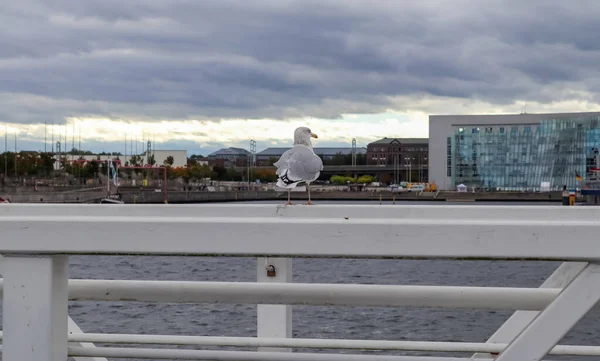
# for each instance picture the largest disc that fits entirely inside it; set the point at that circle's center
(161, 59)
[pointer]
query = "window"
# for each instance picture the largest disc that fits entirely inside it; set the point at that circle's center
(449, 155)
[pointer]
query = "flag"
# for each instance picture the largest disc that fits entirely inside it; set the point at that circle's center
(114, 172)
(578, 176)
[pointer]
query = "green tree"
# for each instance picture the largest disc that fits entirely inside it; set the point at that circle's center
(169, 161)
(199, 172)
(220, 171)
(47, 162)
(365, 179)
(233, 175)
(340, 180)
(93, 167)
(135, 161)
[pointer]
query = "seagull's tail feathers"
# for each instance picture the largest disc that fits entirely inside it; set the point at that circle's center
(284, 181)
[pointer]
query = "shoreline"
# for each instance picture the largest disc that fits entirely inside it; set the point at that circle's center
(180, 197)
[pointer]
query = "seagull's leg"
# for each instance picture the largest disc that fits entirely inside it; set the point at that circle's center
(289, 202)
(308, 189)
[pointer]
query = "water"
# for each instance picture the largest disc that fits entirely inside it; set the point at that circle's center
(310, 321)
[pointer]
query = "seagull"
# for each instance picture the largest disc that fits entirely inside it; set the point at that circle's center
(299, 165)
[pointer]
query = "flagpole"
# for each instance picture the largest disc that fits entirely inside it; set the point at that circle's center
(5, 152)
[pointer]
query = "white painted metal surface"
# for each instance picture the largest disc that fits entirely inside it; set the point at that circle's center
(162, 354)
(433, 211)
(34, 309)
(32, 236)
(553, 323)
(75, 330)
(559, 279)
(72, 326)
(273, 320)
(276, 292)
(317, 343)
(301, 231)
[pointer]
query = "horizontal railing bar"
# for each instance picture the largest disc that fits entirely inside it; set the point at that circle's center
(532, 299)
(413, 211)
(501, 232)
(306, 220)
(240, 355)
(313, 294)
(348, 240)
(573, 350)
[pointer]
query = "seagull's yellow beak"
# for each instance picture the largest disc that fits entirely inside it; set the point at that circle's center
(314, 135)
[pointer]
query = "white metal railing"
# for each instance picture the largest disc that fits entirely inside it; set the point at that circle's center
(37, 239)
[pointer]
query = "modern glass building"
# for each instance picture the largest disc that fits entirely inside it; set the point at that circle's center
(516, 152)
(521, 157)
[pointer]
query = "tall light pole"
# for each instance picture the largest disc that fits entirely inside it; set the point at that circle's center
(251, 158)
(58, 150)
(5, 152)
(353, 152)
(15, 154)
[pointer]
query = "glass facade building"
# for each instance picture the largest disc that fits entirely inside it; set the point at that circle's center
(522, 156)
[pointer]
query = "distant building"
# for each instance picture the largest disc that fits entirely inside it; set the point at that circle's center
(390, 151)
(513, 151)
(271, 155)
(229, 157)
(100, 158)
(161, 155)
(198, 159)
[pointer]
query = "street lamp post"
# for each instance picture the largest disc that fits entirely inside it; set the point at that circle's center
(5, 152)
(408, 163)
(353, 152)
(251, 158)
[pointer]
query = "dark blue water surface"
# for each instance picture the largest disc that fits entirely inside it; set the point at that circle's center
(310, 321)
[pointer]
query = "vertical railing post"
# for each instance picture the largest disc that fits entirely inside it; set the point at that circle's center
(35, 308)
(274, 320)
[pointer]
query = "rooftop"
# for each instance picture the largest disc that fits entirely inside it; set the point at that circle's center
(520, 115)
(230, 151)
(387, 140)
(327, 151)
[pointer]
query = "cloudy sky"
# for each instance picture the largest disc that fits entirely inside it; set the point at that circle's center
(203, 74)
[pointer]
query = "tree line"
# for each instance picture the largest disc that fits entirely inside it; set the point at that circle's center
(43, 164)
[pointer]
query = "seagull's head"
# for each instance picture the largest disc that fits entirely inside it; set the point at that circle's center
(302, 136)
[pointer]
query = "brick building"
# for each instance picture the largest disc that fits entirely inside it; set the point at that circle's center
(328, 154)
(229, 157)
(405, 153)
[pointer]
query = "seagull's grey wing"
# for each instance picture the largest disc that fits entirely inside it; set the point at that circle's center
(282, 163)
(304, 165)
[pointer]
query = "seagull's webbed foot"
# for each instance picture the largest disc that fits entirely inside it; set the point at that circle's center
(288, 203)
(309, 203)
